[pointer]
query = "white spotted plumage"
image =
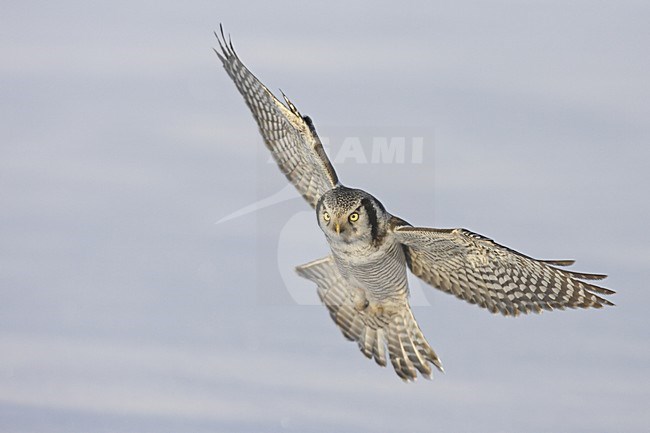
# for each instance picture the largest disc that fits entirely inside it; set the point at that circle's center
(363, 281)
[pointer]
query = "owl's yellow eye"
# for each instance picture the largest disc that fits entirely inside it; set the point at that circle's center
(326, 216)
(354, 216)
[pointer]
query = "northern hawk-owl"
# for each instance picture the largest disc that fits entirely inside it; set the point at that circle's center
(363, 282)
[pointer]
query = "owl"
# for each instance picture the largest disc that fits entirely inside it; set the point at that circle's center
(363, 281)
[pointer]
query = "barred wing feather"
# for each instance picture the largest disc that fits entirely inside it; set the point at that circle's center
(480, 271)
(290, 137)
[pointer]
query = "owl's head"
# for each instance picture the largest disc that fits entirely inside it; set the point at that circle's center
(350, 215)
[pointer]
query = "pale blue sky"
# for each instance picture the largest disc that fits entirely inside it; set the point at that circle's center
(125, 308)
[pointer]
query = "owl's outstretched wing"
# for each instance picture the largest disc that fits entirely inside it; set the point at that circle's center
(373, 328)
(290, 137)
(482, 272)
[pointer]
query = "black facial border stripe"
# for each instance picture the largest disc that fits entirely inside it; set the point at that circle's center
(372, 218)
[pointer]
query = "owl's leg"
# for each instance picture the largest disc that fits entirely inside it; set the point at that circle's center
(360, 300)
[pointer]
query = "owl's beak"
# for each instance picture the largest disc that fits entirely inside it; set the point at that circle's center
(337, 226)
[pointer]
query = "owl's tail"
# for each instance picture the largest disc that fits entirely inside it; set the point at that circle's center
(377, 329)
(408, 348)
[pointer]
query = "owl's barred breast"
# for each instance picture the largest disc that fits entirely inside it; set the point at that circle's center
(379, 270)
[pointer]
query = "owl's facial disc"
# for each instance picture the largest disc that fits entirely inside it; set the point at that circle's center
(347, 215)
(347, 225)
